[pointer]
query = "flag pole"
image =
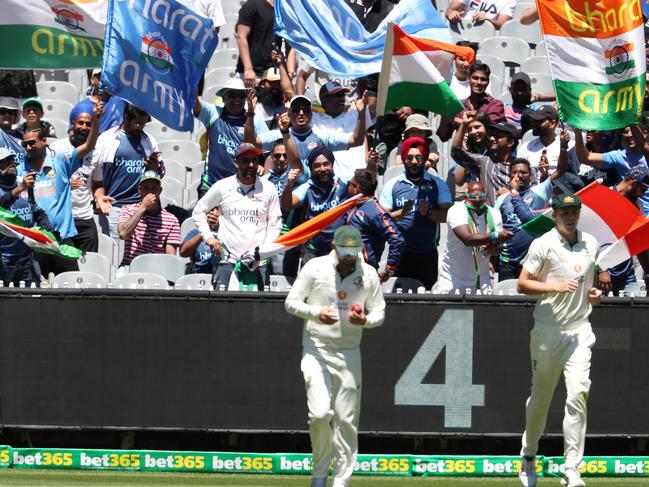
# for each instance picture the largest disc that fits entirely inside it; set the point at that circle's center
(384, 77)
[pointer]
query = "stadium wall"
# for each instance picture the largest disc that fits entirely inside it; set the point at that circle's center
(138, 360)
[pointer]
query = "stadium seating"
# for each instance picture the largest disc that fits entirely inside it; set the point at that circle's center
(183, 151)
(161, 132)
(496, 84)
(186, 227)
(496, 65)
(521, 7)
(227, 32)
(171, 267)
(96, 263)
(529, 33)
(231, 7)
(536, 64)
(280, 284)
(224, 58)
(57, 109)
(195, 282)
(506, 287)
(60, 126)
(173, 192)
(108, 248)
(140, 280)
(219, 76)
(510, 49)
(541, 82)
(78, 279)
(176, 170)
(474, 32)
(58, 90)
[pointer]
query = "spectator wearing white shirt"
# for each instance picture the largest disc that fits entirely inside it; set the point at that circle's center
(477, 11)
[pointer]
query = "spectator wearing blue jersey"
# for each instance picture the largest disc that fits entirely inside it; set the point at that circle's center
(9, 138)
(201, 256)
(322, 192)
(375, 224)
(418, 201)
(17, 261)
(634, 154)
(52, 190)
(226, 130)
(121, 156)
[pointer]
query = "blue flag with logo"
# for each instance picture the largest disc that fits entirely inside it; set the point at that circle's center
(328, 34)
(154, 56)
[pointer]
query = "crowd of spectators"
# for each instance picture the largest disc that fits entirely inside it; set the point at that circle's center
(284, 142)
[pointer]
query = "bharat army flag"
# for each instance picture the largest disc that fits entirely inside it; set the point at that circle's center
(597, 59)
(417, 72)
(52, 34)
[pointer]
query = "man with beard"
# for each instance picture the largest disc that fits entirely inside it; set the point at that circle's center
(493, 167)
(17, 258)
(122, 155)
(523, 101)
(418, 201)
(322, 192)
(250, 215)
(544, 150)
(271, 98)
(52, 191)
(9, 138)
(87, 238)
(226, 130)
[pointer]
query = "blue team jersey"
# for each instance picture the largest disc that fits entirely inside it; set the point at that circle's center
(13, 249)
(13, 144)
(52, 189)
(622, 160)
(225, 134)
(122, 176)
(315, 200)
(421, 233)
(203, 258)
(517, 210)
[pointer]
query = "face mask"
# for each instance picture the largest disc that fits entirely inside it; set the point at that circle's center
(477, 201)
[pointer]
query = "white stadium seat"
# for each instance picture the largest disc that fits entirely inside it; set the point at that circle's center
(97, 263)
(473, 32)
(195, 282)
(541, 82)
(496, 65)
(509, 49)
(280, 284)
(140, 280)
(219, 76)
(171, 267)
(58, 90)
(227, 32)
(186, 227)
(506, 287)
(529, 33)
(57, 109)
(161, 132)
(108, 248)
(176, 170)
(79, 280)
(60, 126)
(536, 64)
(173, 192)
(183, 151)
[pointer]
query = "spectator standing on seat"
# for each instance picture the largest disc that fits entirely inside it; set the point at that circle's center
(255, 39)
(495, 11)
(33, 114)
(146, 227)
(123, 153)
(87, 238)
(9, 138)
(52, 173)
(17, 262)
(250, 215)
(375, 225)
(418, 201)
(475, 234)
(543, 150)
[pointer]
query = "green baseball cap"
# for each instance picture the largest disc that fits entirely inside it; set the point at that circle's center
(150, 174)
(348, 240)
(566, 199)
(33, 101)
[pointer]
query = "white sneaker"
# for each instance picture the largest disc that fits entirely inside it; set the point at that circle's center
(572, 479)
(527, 475)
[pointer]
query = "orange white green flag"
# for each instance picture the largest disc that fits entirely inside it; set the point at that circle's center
(416, 72)
(597, 59)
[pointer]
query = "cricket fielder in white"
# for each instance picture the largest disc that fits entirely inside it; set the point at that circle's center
(560, 269)
(337, 295)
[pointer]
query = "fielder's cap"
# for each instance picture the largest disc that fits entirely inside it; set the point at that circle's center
(235, 84)
(9, 102)
(32, 101)
(5, 153)
(521, 77)
(96, 72)
(506, 128)
(418, 121)
(247, 147)
(271, 74)
(639, 174)
(150, 174)
(300, 100)
(568, 183)
(348, 240)
(331, 87)
(564, 200)
(545, 112)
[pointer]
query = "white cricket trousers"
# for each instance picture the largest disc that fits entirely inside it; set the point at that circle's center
(554, 351)
(333, 392)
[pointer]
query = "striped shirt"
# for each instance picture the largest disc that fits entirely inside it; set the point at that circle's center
(151, 235)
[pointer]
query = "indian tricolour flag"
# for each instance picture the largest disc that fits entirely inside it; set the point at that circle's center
(597, 59)
(417, 72)
(618, 225)
(45, 34)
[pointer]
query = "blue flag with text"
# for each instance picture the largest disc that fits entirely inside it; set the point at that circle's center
(154, 56)
(329, 36)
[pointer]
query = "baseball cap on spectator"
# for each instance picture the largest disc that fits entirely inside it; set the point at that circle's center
(9, 102)
(150, 174)
(418, 121)
(96, 72)
(235, 83)
(320, 151)
(297, 98)
(506, 128)
(247, 147)
(271, 74)
(565, 200)
(545, 112)
(568, 183)
(348, 240)
(639, 174)
(520, 76)
(32, 101)
(5, 153)
(331, 87)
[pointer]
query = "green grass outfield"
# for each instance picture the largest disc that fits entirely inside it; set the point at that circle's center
(51, 478)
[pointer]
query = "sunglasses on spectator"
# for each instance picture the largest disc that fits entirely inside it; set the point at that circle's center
(418, 158)
(29, 143)
(299, 108)
(477, 196)
(235, 94)
(8, 111)
(247, 160)
(278, 156)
